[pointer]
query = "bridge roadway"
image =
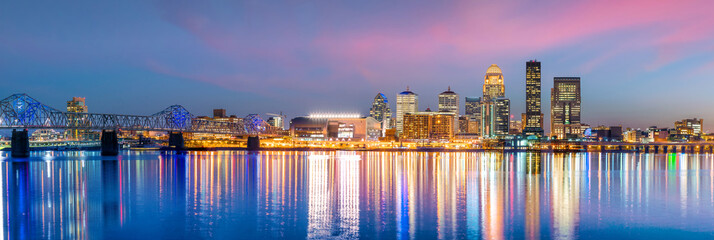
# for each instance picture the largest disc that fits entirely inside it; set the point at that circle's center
(20, 111)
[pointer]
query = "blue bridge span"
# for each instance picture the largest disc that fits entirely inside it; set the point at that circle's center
(22, 112)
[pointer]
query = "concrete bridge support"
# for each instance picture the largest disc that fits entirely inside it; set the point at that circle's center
(110, 143)
(20, 144)
(176, 140)
(253, 143)
(656, 149)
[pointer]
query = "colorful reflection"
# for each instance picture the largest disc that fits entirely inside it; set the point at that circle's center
(344, 195)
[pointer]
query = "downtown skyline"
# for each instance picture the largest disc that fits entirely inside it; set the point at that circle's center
(636, 71)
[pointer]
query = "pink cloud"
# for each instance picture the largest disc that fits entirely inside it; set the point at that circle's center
(386, 46)
(495, 29)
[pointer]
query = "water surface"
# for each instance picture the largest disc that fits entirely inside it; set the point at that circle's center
(374, 195)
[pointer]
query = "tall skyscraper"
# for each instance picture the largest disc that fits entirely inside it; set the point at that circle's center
(493, 83)
(380, 110)
(495, 108)
(407, 102)
(495, 117)
(533, 121)
(565, 107)
(76, 105)
(449, 102)
(472, 111)
(472, 107)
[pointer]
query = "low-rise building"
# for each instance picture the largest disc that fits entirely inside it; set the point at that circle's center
(428, 125)
(335, 128)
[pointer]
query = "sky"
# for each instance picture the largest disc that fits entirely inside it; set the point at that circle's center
(642, 63)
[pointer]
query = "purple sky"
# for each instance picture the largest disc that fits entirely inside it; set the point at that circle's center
(642, 63)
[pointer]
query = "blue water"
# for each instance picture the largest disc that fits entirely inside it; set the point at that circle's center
(372, 195)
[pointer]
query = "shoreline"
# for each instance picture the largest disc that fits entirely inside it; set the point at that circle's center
(208, 149)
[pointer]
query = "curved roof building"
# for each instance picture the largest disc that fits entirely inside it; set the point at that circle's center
(493, 83)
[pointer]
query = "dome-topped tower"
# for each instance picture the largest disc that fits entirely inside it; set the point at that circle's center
(493, 83)
(494, 69)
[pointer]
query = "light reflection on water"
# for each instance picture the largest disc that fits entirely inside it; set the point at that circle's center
(375, 195)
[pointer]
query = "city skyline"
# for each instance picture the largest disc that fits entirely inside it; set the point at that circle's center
(146, 56)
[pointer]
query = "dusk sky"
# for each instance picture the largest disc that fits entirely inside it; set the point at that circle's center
(642, 63)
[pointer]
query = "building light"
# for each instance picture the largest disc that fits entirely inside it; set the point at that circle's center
(334, 115)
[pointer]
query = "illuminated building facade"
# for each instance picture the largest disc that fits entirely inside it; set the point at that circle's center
(277, 120)
(449, 102)
(335, 128)
(472, 108)
(533, 120)
(407, 102)
(218, 116)
(495, 117)
(380, 110)
(78, 105)
(45, 135)
(493, 84)
(495, 108)
(516, 127)
(692, 127)
(429, 125)
(565, 107)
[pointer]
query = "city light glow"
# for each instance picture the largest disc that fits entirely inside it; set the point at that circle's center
(334, 115)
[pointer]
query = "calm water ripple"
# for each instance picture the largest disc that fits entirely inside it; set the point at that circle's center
(344, 195)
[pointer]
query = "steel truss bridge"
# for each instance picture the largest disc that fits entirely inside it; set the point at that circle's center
(23, 111)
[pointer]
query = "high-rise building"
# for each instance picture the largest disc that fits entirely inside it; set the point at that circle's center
(472, 107)
(533, 121)
(380, 110)
(77, 105)
(472, 110)
(449, 102)
(407, 102)
(565, 107)
(493, 84)
(495, 117)
(495, 108)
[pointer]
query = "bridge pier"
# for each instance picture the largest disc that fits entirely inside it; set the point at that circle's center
(20, 144)
(253, 143)
(110, 143)
(176, 141)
